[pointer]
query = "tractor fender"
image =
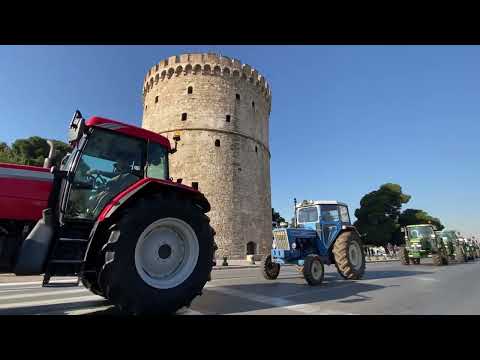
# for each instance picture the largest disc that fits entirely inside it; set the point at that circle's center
(139, 189)
(151, 186)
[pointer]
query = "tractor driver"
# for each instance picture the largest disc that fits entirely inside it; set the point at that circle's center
(120, 177)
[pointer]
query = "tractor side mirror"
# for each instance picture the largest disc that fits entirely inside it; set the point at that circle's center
(77, 127)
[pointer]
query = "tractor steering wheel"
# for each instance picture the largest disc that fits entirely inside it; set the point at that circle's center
(97, 180)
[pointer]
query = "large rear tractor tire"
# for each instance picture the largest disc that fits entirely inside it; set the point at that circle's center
(437, 259)
(313, 270)
(159, 255)
(403, 256)
(270, 270)
(349, 256)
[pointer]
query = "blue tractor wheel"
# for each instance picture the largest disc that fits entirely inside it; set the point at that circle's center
(313, 270)
(270, 270)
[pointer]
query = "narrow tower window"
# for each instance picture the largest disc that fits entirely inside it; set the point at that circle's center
(227, 118)
(190, 90)
(256, 149)
(237, 96)
(184, 116)
(253, 104)
(217, 143)
(146, 107)
(156, 99)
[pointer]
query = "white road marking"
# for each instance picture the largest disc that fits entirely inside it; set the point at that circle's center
(188, 311)
(279, 303)
(426, 279)
(34, 283)
(51, 302)
(43, 293)
(84, 311)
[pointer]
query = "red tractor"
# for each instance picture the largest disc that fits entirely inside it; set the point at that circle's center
(110, 216)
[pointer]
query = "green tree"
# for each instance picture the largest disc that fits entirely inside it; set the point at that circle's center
(4, 153)
(32, 151)
(377, 217)
(276, 217)
(415, 216)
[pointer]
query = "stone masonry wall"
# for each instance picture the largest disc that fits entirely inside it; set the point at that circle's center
(234, 176)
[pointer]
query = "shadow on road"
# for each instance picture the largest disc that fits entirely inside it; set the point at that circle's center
(385, 274)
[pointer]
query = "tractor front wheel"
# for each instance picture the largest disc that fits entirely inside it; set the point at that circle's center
(313, 270)
(159, 255)
(270, 270)
(349, 256)
(437, 259)
(403, 256)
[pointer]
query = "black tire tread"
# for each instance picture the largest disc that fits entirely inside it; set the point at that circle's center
(307, 273)
(131, 220)
(265, 266)
(403, 255)
(340, 253)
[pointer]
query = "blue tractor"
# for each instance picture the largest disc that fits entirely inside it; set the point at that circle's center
(321, 234)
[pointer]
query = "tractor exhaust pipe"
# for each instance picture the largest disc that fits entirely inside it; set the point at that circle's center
(294, 212)
(49, 160)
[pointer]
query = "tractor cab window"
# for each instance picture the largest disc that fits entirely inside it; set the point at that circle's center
(419, 232)
(308, 214)
(157, 162)
(329, 213)
(344, 214)
(110, 163)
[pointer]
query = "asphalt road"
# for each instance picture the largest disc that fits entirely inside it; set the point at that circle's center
(387, 288)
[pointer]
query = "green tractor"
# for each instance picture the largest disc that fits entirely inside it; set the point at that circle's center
(455, 248)
(472, 249)
(421, 242)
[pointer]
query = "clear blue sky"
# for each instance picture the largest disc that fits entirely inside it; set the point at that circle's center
(345, 119)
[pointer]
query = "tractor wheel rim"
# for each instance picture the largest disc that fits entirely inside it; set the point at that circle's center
(316, 270)
(355, 255)
(166, 253)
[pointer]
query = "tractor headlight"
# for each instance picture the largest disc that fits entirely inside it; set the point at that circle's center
(294, 246)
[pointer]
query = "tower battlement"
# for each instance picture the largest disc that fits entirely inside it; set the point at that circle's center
(205, 64)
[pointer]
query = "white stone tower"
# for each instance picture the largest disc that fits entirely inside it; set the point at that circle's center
(220, 107)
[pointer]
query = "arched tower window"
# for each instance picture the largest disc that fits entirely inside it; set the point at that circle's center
(190, 90)
(237, 96)
(256, 148)
(227, 118)
(184, 116)
(217, 143)
(156, 99)
(253, 104)
(251, 248)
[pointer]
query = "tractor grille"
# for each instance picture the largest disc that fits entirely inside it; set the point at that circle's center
(281, 240)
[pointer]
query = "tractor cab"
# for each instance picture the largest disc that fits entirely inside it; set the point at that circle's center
(106, 159)
(325, 217)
